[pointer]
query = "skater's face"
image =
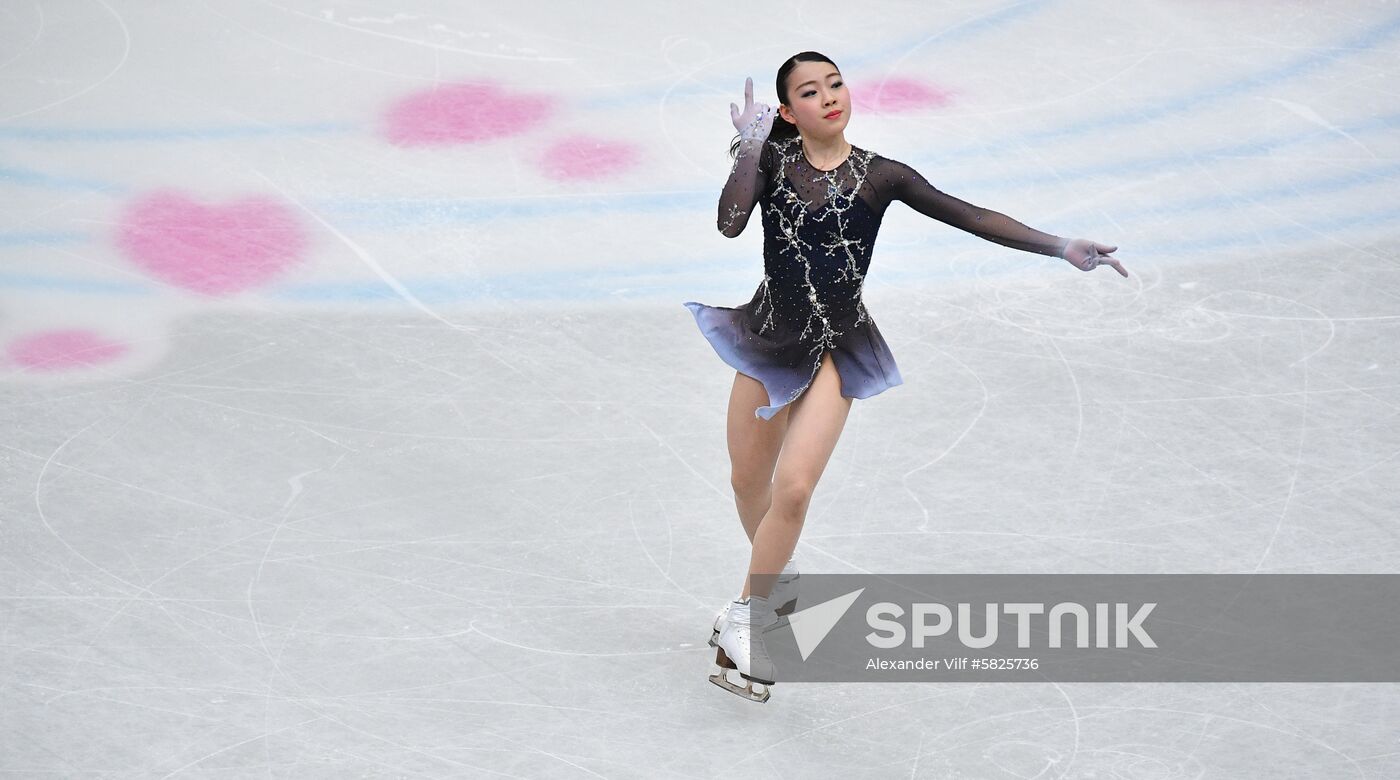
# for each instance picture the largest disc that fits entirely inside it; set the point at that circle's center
(815, 91)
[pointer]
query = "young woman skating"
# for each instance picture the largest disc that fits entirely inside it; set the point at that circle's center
(805, 345)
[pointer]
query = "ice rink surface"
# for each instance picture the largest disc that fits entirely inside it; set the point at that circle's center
(352, 425)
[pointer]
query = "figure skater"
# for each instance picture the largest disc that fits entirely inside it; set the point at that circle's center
(804, 345)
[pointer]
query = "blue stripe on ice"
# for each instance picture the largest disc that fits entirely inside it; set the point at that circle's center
(19, 281)
(209, 133)
(656, 282)
(44, 238)
(28, 176)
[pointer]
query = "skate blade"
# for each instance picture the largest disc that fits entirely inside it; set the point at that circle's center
(746, 692)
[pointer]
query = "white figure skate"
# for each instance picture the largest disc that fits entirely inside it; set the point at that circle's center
(783, 595)
(741, 648)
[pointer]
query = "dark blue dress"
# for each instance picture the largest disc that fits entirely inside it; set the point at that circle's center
(819, 229)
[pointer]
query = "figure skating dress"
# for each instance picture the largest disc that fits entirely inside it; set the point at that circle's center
(819, 230)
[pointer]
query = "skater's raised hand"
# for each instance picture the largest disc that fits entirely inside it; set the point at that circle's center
(756, 121)
(1086, 255)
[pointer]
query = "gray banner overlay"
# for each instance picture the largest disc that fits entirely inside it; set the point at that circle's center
(1111, 628)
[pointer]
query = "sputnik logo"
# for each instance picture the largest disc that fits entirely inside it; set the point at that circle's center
(811, 625)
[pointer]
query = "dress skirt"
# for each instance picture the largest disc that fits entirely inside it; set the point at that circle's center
(785, 361)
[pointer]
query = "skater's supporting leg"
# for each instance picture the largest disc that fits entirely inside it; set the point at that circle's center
(753, 450)
(814, 425)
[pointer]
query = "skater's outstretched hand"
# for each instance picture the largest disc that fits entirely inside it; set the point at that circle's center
(756, 121)
(1086, 255)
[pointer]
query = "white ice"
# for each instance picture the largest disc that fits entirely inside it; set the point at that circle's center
(449, 494)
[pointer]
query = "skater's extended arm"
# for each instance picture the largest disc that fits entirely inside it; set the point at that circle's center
(908, 185)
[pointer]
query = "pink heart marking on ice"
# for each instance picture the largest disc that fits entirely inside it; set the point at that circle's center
(59, 349)
(211, 249)
(897, 94)
(463, 113)
(581, 157)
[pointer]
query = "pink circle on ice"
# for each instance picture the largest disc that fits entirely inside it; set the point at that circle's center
(59, 349)
(210, 249)
(897, 94)
(463, 113)
(582, 157)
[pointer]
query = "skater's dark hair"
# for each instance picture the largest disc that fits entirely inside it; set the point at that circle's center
(781, 127)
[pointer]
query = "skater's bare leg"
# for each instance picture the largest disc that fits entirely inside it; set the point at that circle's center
(753, 450)
(814, 424)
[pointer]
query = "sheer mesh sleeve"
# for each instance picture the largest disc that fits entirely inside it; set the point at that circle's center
(898, 181)
(748, 179)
